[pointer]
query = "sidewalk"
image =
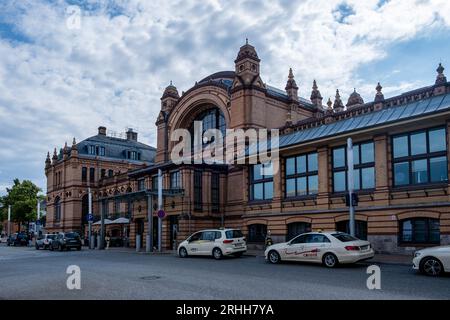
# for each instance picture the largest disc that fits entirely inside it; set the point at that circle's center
(395, 259)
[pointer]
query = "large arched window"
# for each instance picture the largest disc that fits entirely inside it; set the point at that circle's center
(297, 228)
(211, 119)
(57, 215)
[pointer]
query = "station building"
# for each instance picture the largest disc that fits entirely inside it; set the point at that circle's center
(401, 168)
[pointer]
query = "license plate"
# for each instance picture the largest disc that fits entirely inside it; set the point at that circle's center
(239, 245)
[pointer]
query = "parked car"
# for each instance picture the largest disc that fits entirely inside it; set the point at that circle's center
(214, 242)
(66, 241)
(327, 248)
(3, 238)
(17, 239)
(44, 241)
(432, 261)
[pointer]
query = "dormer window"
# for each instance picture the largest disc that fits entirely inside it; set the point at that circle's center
(92, 150)
(97, 150)
(133, 155)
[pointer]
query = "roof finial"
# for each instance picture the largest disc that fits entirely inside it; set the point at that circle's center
(338, 105)
(330, 104)
(441, 79)
(171, 83)
(316, 97)
(379, 96)
(246, 41)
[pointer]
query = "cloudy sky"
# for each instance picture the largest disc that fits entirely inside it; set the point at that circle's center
(67, 67)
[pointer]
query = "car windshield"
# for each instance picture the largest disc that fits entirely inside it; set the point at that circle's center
(232, 234)
(72, 235)
(51, 236)
(344, 237)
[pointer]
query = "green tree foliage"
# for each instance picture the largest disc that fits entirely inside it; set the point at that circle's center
(22, 197)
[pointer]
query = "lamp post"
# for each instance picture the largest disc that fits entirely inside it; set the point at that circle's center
(91, 240)
(160, 198)
(350, 183)
(9, 220)
(38, 216)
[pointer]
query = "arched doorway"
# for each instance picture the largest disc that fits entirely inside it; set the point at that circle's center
(360, 228)
(257, 233)
(296, 228)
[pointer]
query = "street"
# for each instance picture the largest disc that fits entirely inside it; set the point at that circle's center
(29, 274)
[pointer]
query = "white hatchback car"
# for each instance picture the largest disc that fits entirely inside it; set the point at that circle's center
(432, 261)
(215, 242)
(328, 248)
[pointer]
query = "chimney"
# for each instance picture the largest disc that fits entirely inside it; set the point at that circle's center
(102, 131)
(131, 135)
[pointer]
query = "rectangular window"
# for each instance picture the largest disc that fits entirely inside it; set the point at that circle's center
(198, 206)
(92, 174)
(420, 157)
(215, 192)
(84, 174)
(420, 231)
(364, 167)
(261, 182)
(302, 175)
(141, 184)
(155, 183)
(103, 173)
(102, 151)
(92, 150)
(175, 180)
(110, 173)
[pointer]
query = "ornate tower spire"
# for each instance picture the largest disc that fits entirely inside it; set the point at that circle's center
(338, 105)
(47, 160)
(291, 86)
(316, 97)
(379, 97)
(440, 79)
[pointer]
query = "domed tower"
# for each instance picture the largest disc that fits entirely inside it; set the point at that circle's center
(247, 65)
(316, 97)
(169, 99)
(354, 100)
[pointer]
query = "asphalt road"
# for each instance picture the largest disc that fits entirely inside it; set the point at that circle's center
(29, 274)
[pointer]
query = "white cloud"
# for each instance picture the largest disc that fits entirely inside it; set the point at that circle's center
(112, 71)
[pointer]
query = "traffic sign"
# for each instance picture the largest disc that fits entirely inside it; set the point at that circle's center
(90, 217)
(161, 214)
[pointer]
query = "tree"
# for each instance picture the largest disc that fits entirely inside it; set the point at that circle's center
(22, 197)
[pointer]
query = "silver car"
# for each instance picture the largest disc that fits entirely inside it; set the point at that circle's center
(44, 241)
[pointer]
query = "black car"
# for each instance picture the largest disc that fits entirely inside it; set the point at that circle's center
(66, 241)
(17, 239)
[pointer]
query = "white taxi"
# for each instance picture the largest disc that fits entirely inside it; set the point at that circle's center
(328, 248)
(214, 242)
(432, 261)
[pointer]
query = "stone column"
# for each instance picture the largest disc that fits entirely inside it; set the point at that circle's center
(323, 200)
(381, 196)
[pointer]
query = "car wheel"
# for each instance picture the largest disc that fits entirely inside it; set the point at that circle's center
(51, 248)
(183, 253)
(37, 247)
(217, 254)
(274, 257)
(330, 260)
(431, 267)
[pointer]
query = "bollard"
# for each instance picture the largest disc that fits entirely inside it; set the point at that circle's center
(98, 242)
(92, 242)
(138, 243)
